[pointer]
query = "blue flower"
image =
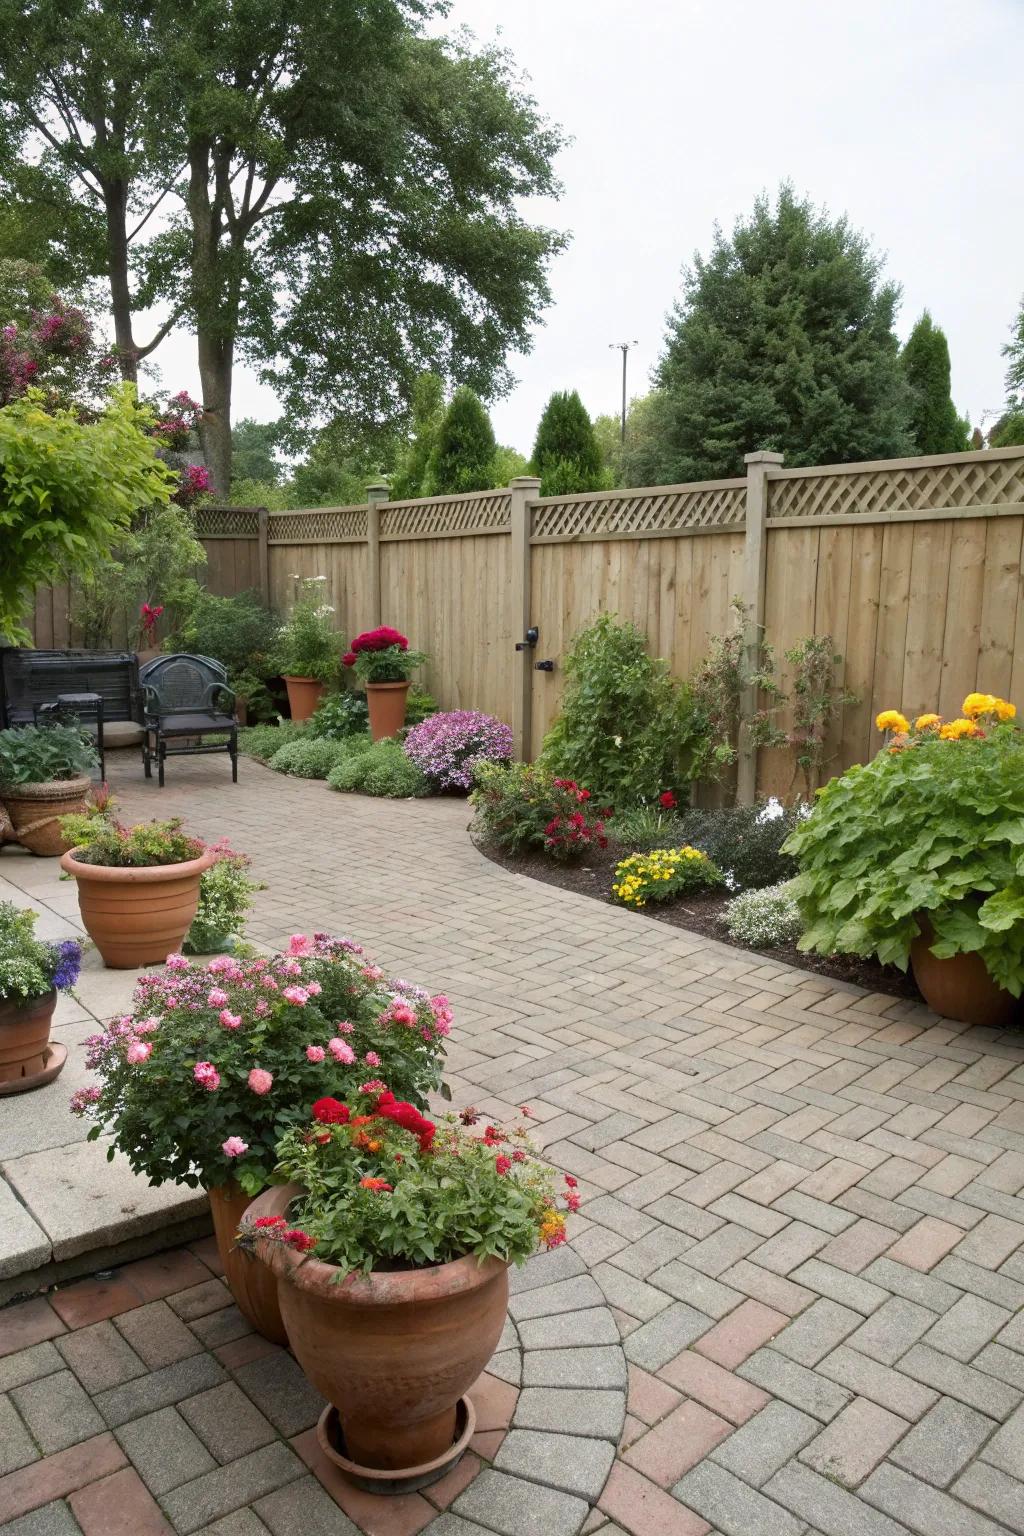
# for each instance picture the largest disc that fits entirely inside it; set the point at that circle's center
(67, 957)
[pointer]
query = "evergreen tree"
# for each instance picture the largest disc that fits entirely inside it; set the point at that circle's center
(1014, 351)
(783, 339)
(411, 477)
(463, 456)
(934, 423)
(566, 455)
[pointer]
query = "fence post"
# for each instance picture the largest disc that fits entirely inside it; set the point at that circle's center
(524, 489)
(263, 552)
(753, 594)
(376, 493)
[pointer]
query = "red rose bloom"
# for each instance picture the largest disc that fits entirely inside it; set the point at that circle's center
(667, 800)
(331, 1112)
(349, 659)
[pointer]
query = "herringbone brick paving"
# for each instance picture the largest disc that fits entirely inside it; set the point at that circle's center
(803, 1205)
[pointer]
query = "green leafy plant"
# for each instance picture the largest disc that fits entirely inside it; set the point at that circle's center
(45, 754)
(746, 841)
(253, 692)
(764, 918)
(566, 455)
(735, 663)
(100, 839)
(932, 828)
(263, 741)
(240, 632)
(419, 705)
(307, 645)
(524, 806)
(339, 715)
(385, 1188)
(155, 561)
(662, 874)
(225, 897)
(308, 758)
(817, 697)
(377, 768)
(29, 967)
(627, 729)
(639, 827)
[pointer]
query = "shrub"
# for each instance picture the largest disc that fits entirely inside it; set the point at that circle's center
(340, 715)
(308, 757)
(663, 874)
(225, 897)
(764, 918)
(746, 841)
(930, 828)
(520, 806)
(241, 632)
(419, 705)
(100, 839)
(377, 768)
(626, 728)
(306, 645)
(44, 754)
(262, 741)
(450, 746)
(29, 967)
(639, 827)
(382, 655)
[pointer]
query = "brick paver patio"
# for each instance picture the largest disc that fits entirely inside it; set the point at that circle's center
(802, 1234)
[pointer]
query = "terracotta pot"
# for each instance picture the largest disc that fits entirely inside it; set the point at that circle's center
(137, 916)
(25, 1037)
(252, 1284)
(961, 987)
(386, 703)
(395, 1350)
(304, 694)
(36, 809)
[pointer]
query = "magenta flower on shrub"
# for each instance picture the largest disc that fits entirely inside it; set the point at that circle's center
(448, 746)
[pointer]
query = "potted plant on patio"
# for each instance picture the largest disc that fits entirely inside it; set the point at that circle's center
(32, 972)
(384, 664)
(919, 856)
(307, 647)
(44, 775)
(225, 896)
(217, 1061)
(391, 1246)
(138, 887)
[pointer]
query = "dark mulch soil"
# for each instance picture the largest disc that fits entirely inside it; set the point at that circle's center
(702, 914)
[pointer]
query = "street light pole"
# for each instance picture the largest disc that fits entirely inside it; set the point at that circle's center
(623, 347)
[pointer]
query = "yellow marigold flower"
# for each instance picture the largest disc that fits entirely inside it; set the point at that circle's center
(892, 720)
(977, 704)
(927, 722)
(1004, 710)
(956, 729)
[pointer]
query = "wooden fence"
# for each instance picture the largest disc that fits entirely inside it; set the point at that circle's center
(912, 565)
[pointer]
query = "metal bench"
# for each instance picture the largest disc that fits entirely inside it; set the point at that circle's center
(186, 699)
(95, 687)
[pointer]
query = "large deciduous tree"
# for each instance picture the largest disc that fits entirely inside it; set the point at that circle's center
(783, 339)
(317, 186)
(935, 424)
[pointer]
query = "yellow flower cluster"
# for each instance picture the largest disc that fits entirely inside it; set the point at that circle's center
(954, 730)
(977, 704)
(637, 876)
(892, 720)
(552, 1227)
(974, 707)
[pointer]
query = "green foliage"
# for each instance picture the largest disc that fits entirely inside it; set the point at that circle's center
(935, 424)
(154, 562)
(933, 830)
(339, 715)
(783, 339)
(261, 493)
(463, 454)
(746, 841)
(1008, 431)
(308, 758)
(307, 644)
(68, 491)
(522, 807)
(412, 469)
(240, 632)
(765, 918)
(507, 464)
(377, 768)
(30, 968)
(99, 839)
(566, 455)
(1014, 353)
(627, 729)
(630, 462)
(663, 874)
(225, 898)
(262, 741)
(45, 754)
(418, 705)
(253, 452)
(641, 827)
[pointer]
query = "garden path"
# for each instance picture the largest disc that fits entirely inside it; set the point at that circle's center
(803, 1208)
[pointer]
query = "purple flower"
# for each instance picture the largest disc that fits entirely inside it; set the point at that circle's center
(448, 746)
(67, 957)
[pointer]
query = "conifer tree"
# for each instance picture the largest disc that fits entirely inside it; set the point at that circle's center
(463, 457)
(934, 423)
(566, 454)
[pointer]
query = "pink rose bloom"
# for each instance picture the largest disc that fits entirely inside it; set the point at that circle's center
(315, 1053)
(139, 1050)
(345, 1028)
(176, 963)
(260, 1081)
(372, 1059)
(147, 1026)
(297, 995)
(341, 1051)
(217, 997)
(230, 1020)
(314, 988)
(299, 944)
(235, 1147)
(207, 1075)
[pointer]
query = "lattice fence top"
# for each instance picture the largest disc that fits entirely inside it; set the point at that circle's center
(227, 522)
(975, 482)
(475, 513)
(717, 504)
(320, 525)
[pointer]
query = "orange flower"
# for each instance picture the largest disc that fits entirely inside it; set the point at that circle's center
(927, 722)
(955, 730)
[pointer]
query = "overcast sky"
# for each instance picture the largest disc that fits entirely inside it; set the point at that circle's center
(905, 114)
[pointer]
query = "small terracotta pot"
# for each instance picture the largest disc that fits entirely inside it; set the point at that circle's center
(25, 1036)
(395, 1350)
(386, 703)
(304, 694)
(252, 1284)
(960, 987)
(36, 809)
(137, 916)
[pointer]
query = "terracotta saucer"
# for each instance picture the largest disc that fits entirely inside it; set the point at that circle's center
(54, 1056)
(402, 1479)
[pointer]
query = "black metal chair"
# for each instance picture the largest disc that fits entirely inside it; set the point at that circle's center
(185, 700)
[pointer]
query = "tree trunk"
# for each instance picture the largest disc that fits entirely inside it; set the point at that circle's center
(216, 358)
(115, 197)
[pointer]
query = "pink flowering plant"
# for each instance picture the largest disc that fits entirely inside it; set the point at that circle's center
(449, 747)
(216, 1062)
(382, 655)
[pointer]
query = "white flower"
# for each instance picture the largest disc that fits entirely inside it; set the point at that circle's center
(617, 740)
(771, 810)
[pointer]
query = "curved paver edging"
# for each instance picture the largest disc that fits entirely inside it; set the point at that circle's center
(569, 1365)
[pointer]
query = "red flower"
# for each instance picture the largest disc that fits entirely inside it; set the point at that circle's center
(519, 1156)
(502, 1165)
(349, 659)
(570, 1181)
(300, 1241)
(408, 1117)
(572, 1202)
(331, 1112)
(270, 1221)
(492, 1136)
(380, 1186)
(667, 800)
(378, 640)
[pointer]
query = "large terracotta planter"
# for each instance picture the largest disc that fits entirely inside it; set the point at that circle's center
(960, 987)
(304, 694)
(36, 809)
(252, 1284)
(393, 1351)
(137, 916)
(27, 1059)
(386, 703)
